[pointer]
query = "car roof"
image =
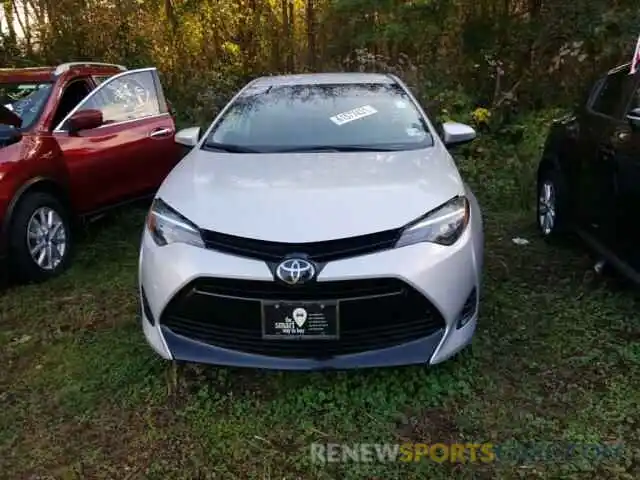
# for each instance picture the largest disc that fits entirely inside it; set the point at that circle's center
(36, 74)
(50, 74)
(321, 79)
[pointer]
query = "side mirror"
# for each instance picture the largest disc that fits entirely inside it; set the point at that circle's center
(85, 120)
(633, 117)
(188, 137)
(457, 133)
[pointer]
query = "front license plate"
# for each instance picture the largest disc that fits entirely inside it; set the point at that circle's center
(300, 321)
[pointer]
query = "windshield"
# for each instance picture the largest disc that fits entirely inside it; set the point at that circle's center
(345, 117)
(26, 100)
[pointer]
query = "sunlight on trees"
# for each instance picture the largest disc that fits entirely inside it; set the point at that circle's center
(502, 53)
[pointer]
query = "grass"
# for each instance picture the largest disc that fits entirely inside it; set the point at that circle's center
(556, 359)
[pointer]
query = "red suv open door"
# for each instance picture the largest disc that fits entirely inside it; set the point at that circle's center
(125, 145)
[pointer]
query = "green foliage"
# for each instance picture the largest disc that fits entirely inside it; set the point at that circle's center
(84, 397)
(508, 56)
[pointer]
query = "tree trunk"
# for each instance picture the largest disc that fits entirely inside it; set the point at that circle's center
(311, 34)
(248, 36)
(291, 59)
(535, 7)
(276, 40)
(171, 15)
(286, 23)
(9, 16)
(23, 24)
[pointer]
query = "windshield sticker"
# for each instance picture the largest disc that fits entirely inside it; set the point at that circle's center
(355, 114)
(415, 132)
(401, 104)
(257, 90)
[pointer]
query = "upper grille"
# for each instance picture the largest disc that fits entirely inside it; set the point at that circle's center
(324, 251)
(374, 314)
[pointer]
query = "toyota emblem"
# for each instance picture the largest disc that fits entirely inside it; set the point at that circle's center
(295, 271)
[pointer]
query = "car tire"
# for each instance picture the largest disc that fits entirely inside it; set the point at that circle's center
(52, 244)
(551, 205)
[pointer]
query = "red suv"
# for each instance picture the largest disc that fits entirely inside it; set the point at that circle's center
(75, 140)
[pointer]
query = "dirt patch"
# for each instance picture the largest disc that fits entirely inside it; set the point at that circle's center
(436, 425)
(564, 381)
(629, 334)
(229, 382)
(113, 444)
(440, 426)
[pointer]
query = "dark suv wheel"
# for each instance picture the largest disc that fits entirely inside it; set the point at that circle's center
(40, 241)
(551, 207)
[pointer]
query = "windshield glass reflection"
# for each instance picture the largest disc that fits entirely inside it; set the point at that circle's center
(307, 118)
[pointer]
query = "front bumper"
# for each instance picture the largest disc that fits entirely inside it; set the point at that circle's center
(444, 277)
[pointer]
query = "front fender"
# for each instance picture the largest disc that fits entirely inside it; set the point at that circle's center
(558, 145)
(37, 165)
(477, 227)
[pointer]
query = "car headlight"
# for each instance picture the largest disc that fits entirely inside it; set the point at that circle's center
(443, 226)
(168, 226)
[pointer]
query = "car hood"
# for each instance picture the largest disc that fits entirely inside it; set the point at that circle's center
(305, 197)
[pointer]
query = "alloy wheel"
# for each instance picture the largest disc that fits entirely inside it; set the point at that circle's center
(547, 207)
(46, 238)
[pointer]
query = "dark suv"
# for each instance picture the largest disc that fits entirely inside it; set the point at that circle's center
(589, 175)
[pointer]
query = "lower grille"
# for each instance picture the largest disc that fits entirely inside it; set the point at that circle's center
(146, 309)
(468, 309)
(374, 314)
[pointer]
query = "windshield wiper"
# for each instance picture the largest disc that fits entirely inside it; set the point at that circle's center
(337, 148)
(229, 147)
